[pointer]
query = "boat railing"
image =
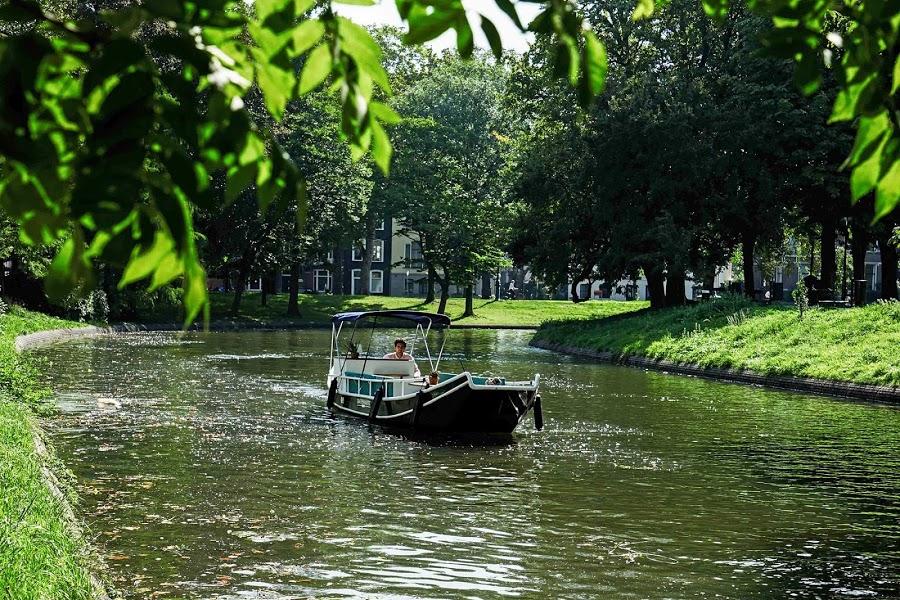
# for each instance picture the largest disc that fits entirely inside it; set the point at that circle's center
(366, 385)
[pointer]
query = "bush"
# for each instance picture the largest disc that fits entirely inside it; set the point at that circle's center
(93, 307)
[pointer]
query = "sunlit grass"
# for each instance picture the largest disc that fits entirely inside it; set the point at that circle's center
(318, 309)
(858, 345)
(39, 558)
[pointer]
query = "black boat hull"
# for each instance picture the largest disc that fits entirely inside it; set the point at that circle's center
(459, 409)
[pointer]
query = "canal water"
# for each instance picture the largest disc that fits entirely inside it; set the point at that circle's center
(208, 467)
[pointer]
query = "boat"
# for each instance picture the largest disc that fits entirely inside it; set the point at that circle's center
(391, 392)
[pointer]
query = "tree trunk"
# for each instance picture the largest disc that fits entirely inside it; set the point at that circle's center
(812, 253)
(485, 286)
(829, 238)
(860, 244)
(675, 288)
(888, 267)
(264, 290)
(656, 287)
(429, 293)
(748, 246)
(574, 291)
(293, 307)
(444, 282)
(247, 260)
(470, 304)
(239, 290)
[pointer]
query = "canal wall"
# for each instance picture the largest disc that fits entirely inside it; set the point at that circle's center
(871, 393)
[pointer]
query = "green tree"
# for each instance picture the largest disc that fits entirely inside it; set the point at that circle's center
(446, 186)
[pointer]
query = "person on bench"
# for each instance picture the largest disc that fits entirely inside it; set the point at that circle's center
(399, 353)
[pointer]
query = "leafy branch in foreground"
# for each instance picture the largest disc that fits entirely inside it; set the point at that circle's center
(112, 129)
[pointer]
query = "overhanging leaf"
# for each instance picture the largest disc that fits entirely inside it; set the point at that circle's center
(596, 62)
(316, 69)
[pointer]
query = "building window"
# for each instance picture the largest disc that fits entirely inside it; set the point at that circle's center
(380, 226)
(322, 280)
(255, 284)
(376, 282)
(412, 256)
(377, 252)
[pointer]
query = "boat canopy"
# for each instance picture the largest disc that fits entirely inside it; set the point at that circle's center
(420, 318)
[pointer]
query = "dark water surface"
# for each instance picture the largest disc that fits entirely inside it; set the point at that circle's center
(222, 476)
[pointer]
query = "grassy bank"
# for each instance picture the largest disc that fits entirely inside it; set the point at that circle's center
(39, 558)
(317, 309)
(858, 345)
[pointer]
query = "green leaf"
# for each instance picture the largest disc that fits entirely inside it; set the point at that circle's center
(70, 272)
(896, 84)
(465, 40)
(866, 174)
(642, 10)
(266, 8)
(509, 8)
(493, 36)
(384, 113)
(117, 57)
(316, 69)
(167, 270)
(426, 27)
(307, 34)
(239, 178)
(869, 131)
(717, 10)
(596, 65)
(194, 292)
(887, 196)
(807, 76)
(301, 6)
(276, 84)
(848, 99)
(365, 51)
(143, 263)
(381, 147)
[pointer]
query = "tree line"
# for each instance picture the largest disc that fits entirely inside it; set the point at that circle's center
(699, 149)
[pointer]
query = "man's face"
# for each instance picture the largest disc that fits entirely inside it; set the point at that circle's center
(399, 348)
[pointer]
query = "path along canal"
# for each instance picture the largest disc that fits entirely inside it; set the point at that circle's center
(222, 476)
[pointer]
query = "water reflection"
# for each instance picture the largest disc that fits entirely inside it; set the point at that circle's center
(222, 476)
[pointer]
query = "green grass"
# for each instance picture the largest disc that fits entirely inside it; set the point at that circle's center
(317, 309)
(39, 558)
(858, 345)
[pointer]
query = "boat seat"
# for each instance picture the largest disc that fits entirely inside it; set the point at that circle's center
(367, 388)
